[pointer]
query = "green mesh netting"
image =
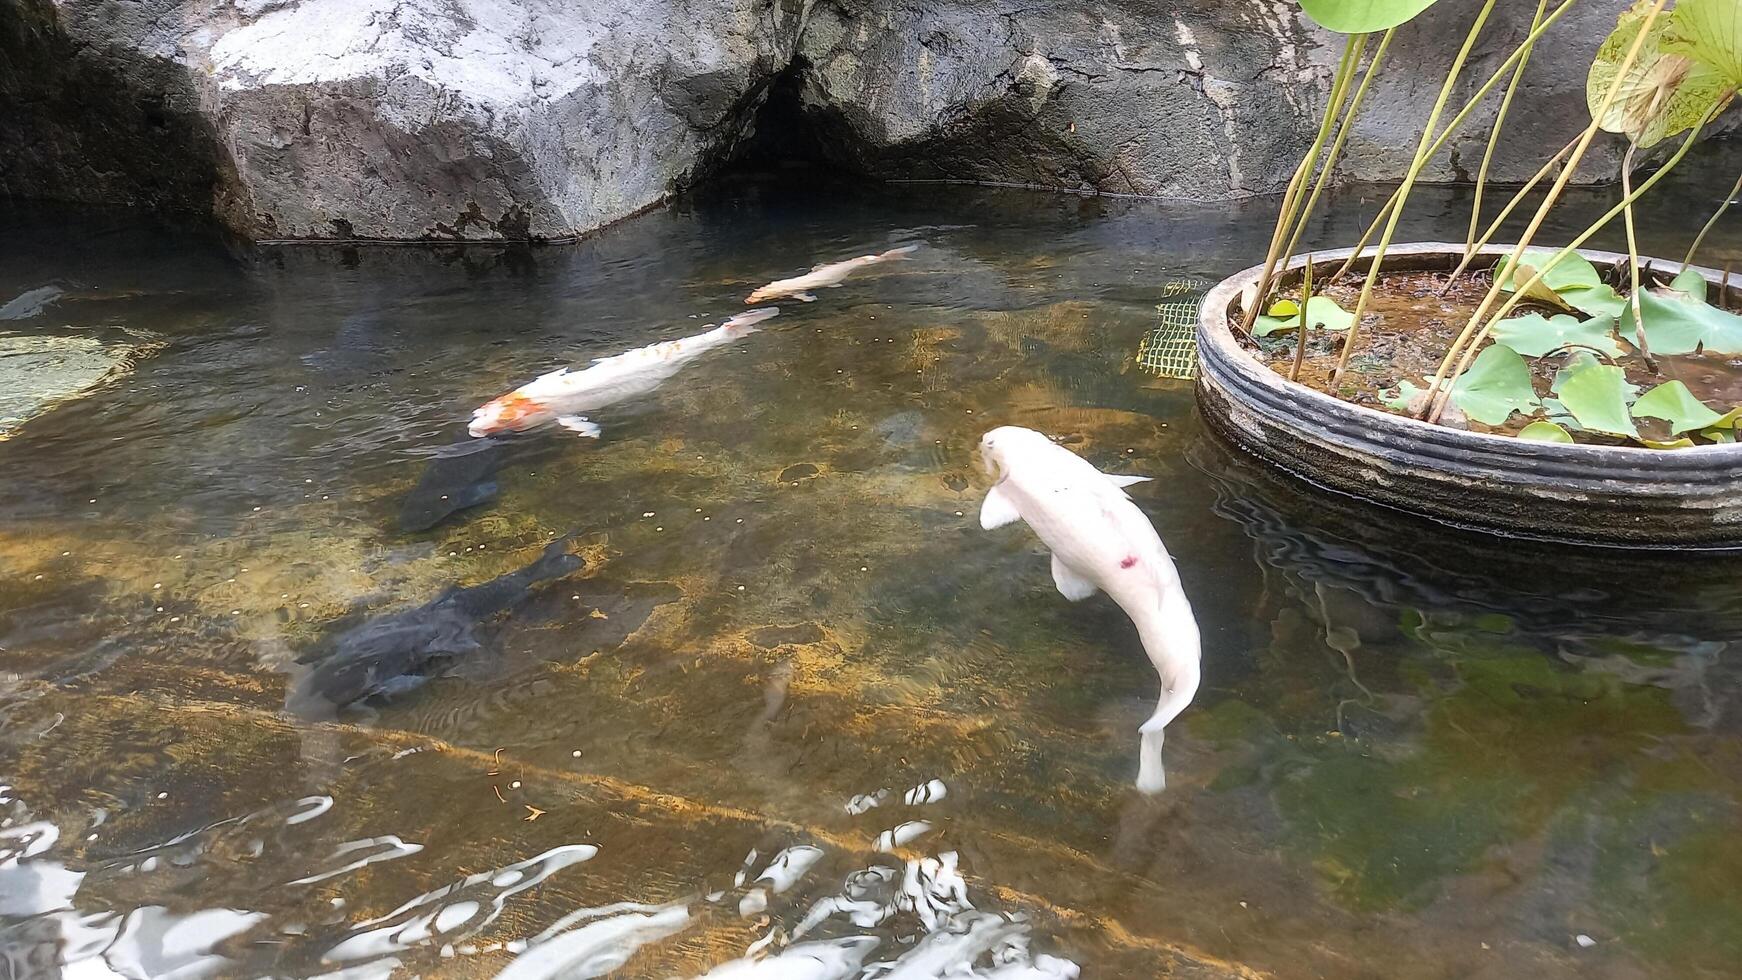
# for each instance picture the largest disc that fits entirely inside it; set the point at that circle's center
(1170, 350)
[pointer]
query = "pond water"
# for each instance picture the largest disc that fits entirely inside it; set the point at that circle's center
(796, 705)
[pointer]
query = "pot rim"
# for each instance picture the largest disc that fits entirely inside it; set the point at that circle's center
(1214, 330)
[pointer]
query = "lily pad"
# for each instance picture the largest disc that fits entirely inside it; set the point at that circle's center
(1496, 385)
(1405, 399)
(1677, 324)
(1540, 431)
(1573, 272)
(1596, 394)
(1691, 284)
(1573, 283)
(1535, 335)
(1363, 16)
(1675, 404)
(1683, 443)
(1323, 313)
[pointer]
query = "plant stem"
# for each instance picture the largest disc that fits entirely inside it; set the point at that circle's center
(1336, 149)
(1519, 294)
(1306, 294)
(1422, 153)
(1494, 133)
(1506, 212)
(1291, 199)
(1436, 400)
(1633, 255)
(1729, 199)
(1453, 126)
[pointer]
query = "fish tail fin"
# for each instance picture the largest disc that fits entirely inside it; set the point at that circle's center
(899, 253)
(557, 560)
(1178, 688)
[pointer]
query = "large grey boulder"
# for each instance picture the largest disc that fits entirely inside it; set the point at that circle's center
(1199, 100)
(542, 119)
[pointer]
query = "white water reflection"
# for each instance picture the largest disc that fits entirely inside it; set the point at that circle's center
(609, 937)
(457, 912)
(823, 913)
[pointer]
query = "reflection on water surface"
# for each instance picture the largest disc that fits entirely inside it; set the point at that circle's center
(791, 713)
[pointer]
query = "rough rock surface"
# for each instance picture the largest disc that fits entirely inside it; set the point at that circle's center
(419, 119)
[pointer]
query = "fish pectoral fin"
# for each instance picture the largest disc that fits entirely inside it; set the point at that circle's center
(1071, 585)
(998, 510)
(804, 297)
(579, 424)
(835, 285)
(1125, 481)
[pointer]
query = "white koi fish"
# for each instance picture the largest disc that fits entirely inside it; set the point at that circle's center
(829, 276)
(561, 396)
(1100, 541)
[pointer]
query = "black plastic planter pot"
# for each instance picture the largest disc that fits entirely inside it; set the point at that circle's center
(1595, 495)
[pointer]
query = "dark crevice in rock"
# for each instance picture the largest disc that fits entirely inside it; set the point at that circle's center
(776, 131)
(102, 125)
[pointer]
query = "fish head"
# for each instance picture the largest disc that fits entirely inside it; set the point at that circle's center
(1000, 448)
(513, 412)
(750, 318)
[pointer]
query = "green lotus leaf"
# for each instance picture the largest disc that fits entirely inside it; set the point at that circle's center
(1691, 284)
(1540, 431)
(1599, 300)
(1404, 400)
(1720, 436)
(1664, 91)
(1596, 394)
(1323, 313)
(1496, 385)
(1573, 283)
(1362, 16)
(1683, 443)
(1573, 272)
(1555, 412)
(1729, 420)
(1283, 308)
(1534, 335)
(1678, 324)
(1675, 404)
(1709, 32)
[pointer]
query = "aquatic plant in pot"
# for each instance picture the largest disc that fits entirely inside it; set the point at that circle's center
(1538, 390)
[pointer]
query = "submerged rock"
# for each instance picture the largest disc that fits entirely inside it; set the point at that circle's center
(39, 372)
(31, 303)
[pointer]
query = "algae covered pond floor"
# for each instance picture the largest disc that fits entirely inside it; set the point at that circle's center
(791, 712)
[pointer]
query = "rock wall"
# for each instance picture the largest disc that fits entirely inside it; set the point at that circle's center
(542, 119)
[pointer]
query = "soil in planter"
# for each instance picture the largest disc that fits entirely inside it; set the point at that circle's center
(1408, 325)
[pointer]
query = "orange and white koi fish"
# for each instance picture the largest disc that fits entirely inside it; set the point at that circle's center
(825, 276)
(561, 396)
(1100, 542)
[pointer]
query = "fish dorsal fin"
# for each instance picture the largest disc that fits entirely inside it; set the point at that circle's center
(1125, 481)
(998, 510)
(1071, 585)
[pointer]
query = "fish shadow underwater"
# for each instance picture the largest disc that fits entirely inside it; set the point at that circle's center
(456, 478)
(470, 631)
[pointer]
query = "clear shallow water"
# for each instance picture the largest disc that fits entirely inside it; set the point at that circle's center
(1415, 754)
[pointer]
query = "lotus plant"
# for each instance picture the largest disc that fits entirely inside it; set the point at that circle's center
(1665, 71)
